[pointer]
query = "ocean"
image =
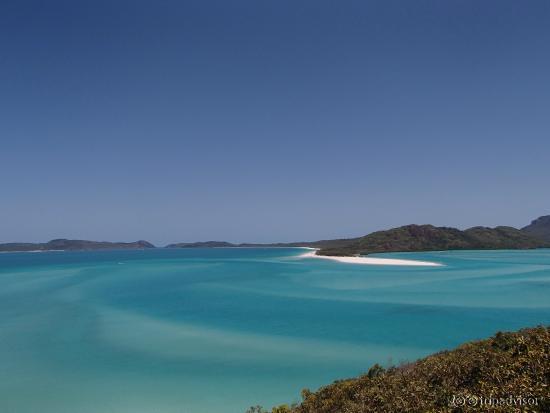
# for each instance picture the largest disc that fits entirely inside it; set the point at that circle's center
(219, 330)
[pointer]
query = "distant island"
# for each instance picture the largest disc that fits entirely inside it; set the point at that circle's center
(414, 238)
(73, 245)
(450, 381)
(408, 238)
(203, 244)
(539, 228)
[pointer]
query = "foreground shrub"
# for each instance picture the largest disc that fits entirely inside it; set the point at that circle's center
(509, 372)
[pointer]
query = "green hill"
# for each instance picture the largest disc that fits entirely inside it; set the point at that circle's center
(202, 244)
(509, 370)
(411, 238)
(73, 245)
(539, 227)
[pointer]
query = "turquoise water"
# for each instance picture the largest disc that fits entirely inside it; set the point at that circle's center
(217, 330)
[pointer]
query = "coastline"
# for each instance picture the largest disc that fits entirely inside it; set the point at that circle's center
(310, 254)
(22, 251)
(370, 260)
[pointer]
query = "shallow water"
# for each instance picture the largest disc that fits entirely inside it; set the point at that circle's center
(217, 330)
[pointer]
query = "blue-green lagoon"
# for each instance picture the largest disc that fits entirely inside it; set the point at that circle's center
(217, 330)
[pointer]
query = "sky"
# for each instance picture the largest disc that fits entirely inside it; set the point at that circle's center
(265, 121)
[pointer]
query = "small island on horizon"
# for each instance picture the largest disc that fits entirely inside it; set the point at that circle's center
(63, 244)
(408, 238)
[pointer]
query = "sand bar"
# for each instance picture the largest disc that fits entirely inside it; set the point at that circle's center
(371, 260)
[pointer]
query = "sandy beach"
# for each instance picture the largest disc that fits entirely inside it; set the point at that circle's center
(370, 260)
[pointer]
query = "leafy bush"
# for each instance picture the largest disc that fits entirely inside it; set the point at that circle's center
(504, 367)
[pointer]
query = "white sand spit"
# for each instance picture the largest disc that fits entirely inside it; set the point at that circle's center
(371, 260)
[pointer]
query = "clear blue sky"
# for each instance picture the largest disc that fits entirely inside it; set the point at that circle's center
(270, 120)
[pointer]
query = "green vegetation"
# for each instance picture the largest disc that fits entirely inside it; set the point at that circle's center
(539, 228)
(408, 238)
(73, 245)
(224, 244)
(498, 370)
(205, 244)
(411, 238)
